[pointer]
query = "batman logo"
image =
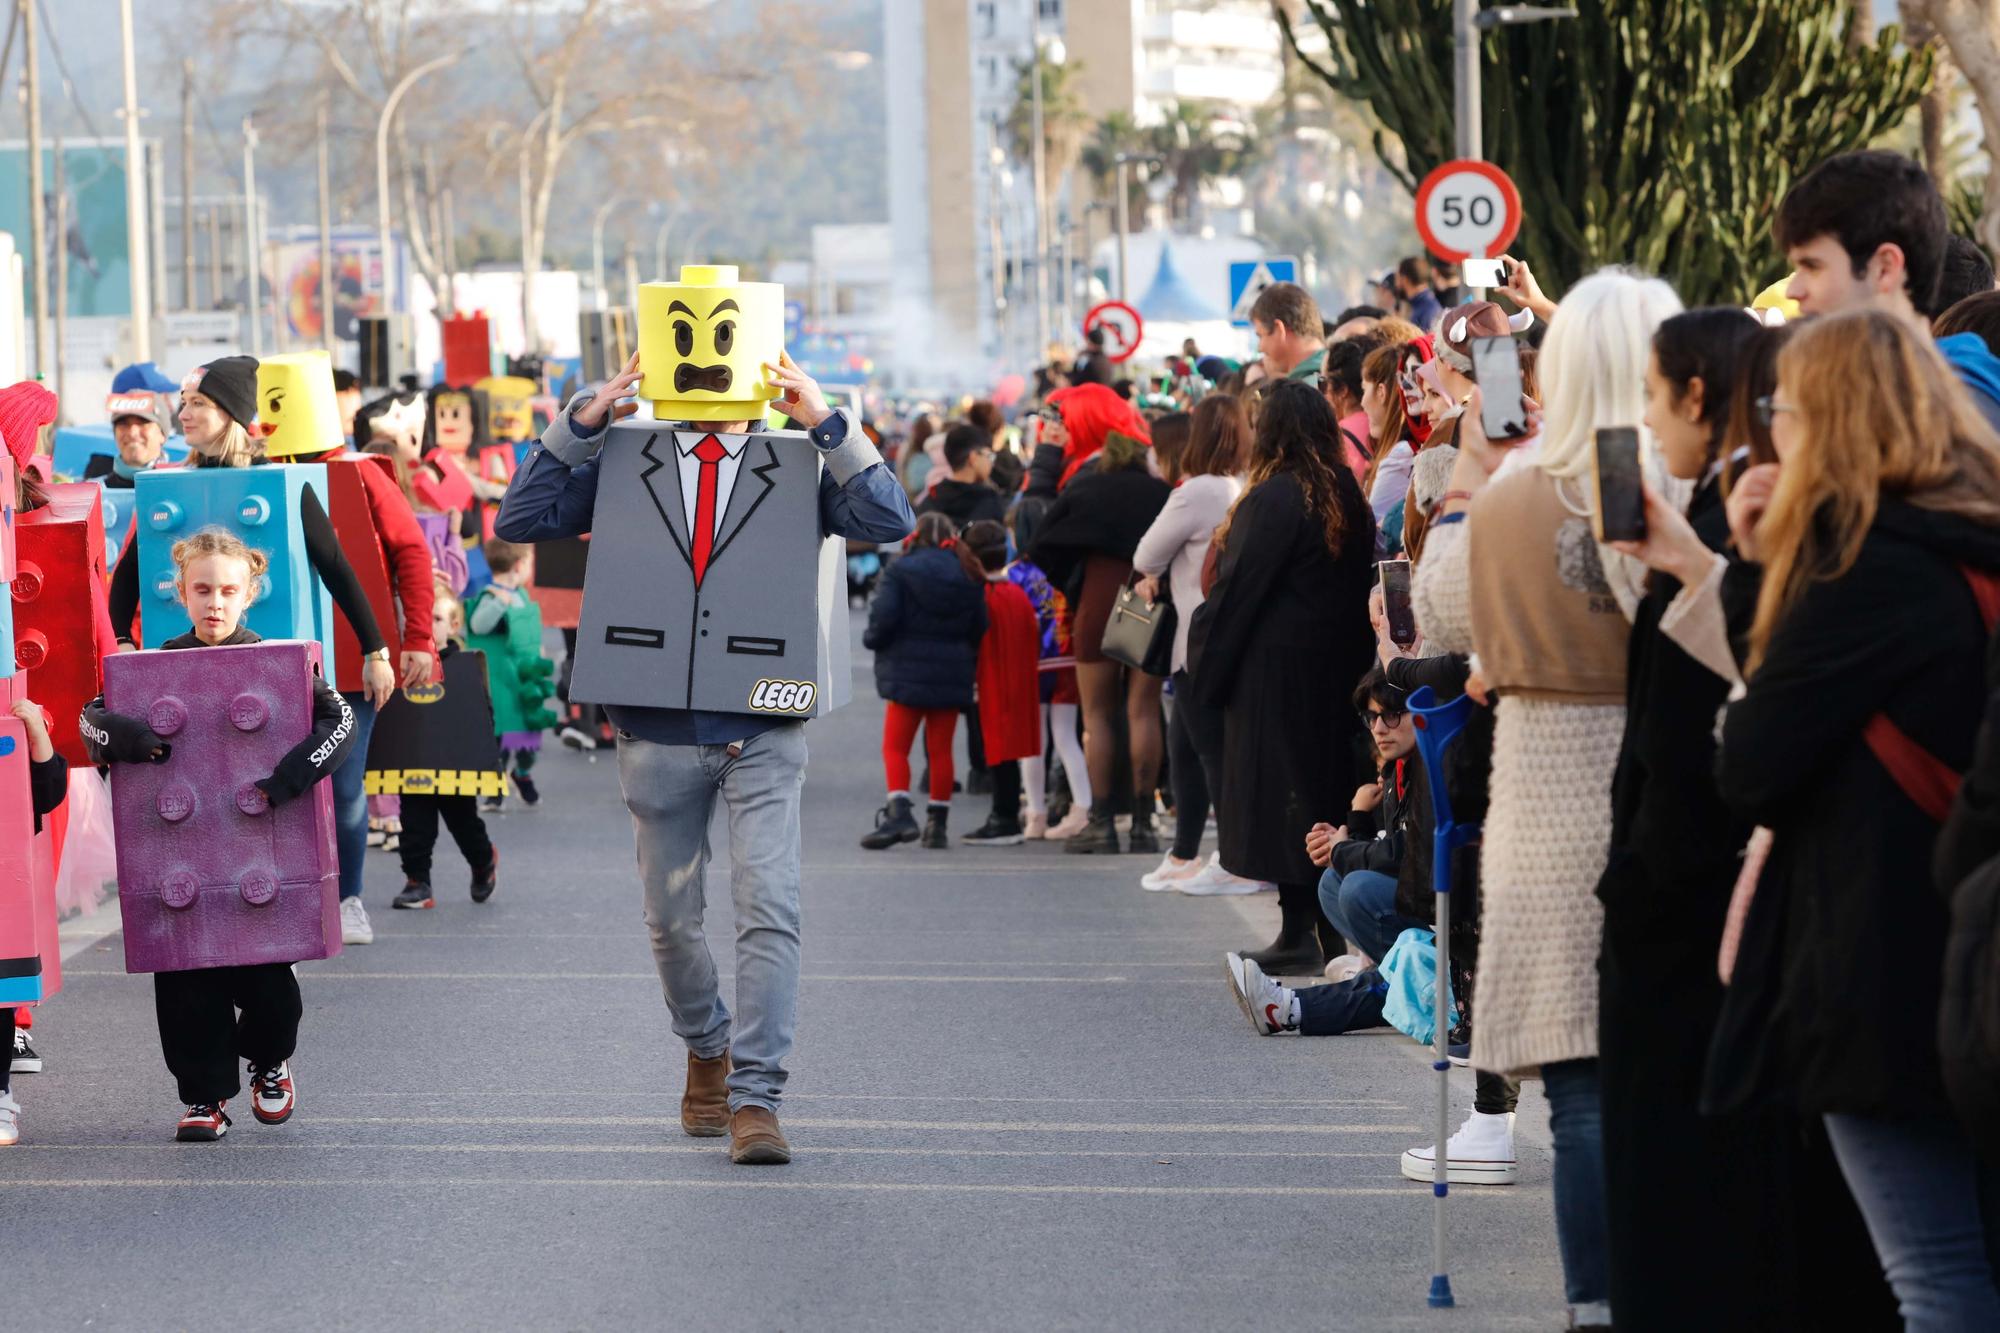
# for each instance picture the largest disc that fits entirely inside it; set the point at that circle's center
(424, 694)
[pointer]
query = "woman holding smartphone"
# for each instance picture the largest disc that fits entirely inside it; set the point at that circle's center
(1513, 573)
(1878, 530)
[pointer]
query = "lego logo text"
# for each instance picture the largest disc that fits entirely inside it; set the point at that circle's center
(783, 696)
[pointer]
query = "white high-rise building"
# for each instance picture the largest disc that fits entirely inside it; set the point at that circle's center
(961, 205)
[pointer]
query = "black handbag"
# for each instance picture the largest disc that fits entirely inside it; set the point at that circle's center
(1140, 634)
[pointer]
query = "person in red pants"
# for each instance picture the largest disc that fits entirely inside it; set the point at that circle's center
(924, 628)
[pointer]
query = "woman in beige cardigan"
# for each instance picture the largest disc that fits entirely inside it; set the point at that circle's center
(1512, 574)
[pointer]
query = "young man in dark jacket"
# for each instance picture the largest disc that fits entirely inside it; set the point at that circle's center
(967, 496)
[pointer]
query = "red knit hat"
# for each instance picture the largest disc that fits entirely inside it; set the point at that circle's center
(24, 409)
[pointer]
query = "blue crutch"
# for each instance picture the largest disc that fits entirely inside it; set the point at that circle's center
(1437, 726)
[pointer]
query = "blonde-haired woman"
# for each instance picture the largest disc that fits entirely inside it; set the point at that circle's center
(1513, 574)
(218, 412)
(1875, 527)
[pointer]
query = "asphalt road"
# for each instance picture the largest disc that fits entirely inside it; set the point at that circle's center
(1021, 1098)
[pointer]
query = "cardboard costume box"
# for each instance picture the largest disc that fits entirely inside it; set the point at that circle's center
(209, 874)
(262, 506)
(438, 740)
(354, 524)
(62, 622)
(30, 961)
(763, 629)
(560, 566)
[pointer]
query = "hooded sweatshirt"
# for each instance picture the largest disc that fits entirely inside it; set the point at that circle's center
(1978, 369)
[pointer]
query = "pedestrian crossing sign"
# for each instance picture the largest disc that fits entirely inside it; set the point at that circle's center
(1249, 278)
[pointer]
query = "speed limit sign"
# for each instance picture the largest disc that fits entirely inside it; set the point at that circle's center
(1468, 210)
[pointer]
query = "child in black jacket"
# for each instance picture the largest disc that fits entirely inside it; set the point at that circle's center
(422, 810)
(48, 786)
(201, 1034)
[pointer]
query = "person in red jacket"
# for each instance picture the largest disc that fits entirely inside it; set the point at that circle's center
(407, 557)
(1010, 706)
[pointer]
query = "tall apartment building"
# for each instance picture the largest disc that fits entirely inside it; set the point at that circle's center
(961, 207)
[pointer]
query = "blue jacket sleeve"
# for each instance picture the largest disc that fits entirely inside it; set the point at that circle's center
(859, 496)
(547, 500)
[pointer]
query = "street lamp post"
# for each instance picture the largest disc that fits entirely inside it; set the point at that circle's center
(597, 247)
(1468, 23)
(135, 215)
(1123, 208)
(1041, 179)
(252, 270)
(382, 169)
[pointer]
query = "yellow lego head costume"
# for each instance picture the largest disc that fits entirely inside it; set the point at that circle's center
(1773, 299)
(704, 341)
(510, 416)
(295, 404)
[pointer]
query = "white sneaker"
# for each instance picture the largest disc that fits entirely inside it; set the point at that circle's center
(1171, 873)
(354, 927)
(1213, 881)
(576, 739)
(1347, 967)
(1072, 824)
(26, 1059)
(10, 1120)
(1264, 1002)
(1481, 1153)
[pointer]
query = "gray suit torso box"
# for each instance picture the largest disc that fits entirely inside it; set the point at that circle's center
(763, 632)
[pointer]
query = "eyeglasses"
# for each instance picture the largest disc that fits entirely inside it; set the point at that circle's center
(1768, 407)
(1387, 717)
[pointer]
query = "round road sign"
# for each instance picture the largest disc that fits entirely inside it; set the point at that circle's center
(1122, 328)
(1468, 210)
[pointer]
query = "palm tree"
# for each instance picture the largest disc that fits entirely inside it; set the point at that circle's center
(1196, 148)
(1111, 136)
(1065, 121)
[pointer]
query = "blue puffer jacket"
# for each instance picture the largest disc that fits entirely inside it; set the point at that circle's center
(924, 627)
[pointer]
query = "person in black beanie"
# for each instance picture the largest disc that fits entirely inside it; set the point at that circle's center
(230, 382)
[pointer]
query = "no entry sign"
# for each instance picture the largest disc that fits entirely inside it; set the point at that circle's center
(1122, 328)
(1468, 210)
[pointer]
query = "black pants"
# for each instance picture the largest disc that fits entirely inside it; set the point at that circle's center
(1494, 1094)
(202, 1036)
(420, 833)
(6, 1049)
(1194, 765)
(1007, 791)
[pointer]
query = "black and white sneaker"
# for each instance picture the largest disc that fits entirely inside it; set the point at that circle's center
(577, 740)
(25, 1060)
(484, 884)
(530, 796)
(996, 833)
(204, 1122)
(493, 805)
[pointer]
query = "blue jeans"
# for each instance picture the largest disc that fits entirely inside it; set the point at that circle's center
(671, 792)
(350, 799)
(1345, 1006)
(1916, 1183)
(1362, 906)
(1576, 1124)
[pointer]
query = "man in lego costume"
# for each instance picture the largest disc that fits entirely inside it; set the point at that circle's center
(709, 510)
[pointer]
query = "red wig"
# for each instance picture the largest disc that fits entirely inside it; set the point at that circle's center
(1090, 412)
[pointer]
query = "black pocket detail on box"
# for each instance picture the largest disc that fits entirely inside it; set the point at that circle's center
(635, 636)
(755, 647)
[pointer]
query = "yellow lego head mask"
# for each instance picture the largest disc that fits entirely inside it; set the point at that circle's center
(703, 343)
(509, 414)
(295, 404)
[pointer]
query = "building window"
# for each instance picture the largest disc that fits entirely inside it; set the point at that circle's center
(988, 18)
(1051, 11)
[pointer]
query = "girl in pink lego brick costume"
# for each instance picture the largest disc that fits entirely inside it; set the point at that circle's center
(201, 1032)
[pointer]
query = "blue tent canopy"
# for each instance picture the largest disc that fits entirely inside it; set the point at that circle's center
(1171, 300)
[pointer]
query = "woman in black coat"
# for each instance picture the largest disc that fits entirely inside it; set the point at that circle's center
(924, 628)
(1866, 656)
(1085, 545)
(1278, 647)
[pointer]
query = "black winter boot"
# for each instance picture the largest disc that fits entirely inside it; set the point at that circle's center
(1099, 835)
(1290, 956)
(893, 824)
(1142, 838)
(934, 832)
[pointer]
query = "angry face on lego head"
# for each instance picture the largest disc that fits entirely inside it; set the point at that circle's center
(509, 413)
(704, 341)
(296, 406)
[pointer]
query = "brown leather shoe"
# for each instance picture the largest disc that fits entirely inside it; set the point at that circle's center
(755, 1139)
(705, 1104)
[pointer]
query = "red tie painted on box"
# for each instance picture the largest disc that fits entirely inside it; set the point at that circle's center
(710, 454)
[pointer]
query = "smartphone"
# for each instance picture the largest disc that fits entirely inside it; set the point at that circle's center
(1396, 602)
(1496, 365)
(1621, 499)
(1485, 273)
